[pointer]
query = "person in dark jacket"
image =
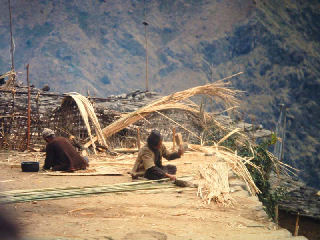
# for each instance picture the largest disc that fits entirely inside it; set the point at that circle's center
(61, 155)
(149, 160)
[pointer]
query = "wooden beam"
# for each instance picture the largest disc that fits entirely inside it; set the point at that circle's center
(29, 109)
(296, 229)
(173, 138)
(138, 138)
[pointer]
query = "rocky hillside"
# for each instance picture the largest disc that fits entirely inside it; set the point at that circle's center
(98, 45)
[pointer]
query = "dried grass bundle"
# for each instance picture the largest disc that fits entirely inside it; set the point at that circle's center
(212, 175)
(218, 89)
(213, 183)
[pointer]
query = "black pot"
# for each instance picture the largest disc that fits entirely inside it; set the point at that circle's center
(30, 166)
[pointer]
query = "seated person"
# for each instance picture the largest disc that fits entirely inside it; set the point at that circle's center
(61, 155)
(149, 160)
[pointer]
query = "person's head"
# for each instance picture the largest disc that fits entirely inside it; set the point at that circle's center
(154, 140)
(48, 134)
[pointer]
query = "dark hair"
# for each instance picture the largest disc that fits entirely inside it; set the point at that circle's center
(154, 139)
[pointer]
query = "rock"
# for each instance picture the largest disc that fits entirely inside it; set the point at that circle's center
(241, 193)
(262, 133)
(123, 96)
(259, 208)
(225, 120)
(299, 238)
(45, 88)
(141, 96)
(236, 189)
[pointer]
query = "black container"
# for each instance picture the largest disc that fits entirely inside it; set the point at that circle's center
(30, 166)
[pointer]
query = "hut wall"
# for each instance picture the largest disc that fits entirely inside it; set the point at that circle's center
(60, 113)
(48, 110)
(14, 116)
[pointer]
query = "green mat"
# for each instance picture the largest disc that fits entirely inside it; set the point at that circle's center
(16, 196)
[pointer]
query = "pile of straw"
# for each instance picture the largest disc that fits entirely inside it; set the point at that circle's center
(87, 112)
(213, 175)
(217, 89)
(213, 183)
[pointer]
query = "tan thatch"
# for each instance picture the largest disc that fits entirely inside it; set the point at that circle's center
(218, 89)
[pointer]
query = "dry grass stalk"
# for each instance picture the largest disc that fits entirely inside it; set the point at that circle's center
(236, 130)
(218, 89)
(238, 166)
(281, 166)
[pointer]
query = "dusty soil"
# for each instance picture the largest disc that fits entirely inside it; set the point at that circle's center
(154, 214)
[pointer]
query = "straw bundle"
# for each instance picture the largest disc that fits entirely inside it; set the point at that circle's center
(213, 183)
(213, 175)
(87, 112)
(218, 89)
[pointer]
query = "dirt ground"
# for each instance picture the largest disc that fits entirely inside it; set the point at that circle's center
(175, 213)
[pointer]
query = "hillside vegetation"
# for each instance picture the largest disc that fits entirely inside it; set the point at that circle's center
(99, 46)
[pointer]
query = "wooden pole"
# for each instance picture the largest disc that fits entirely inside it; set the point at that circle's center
(138, 138)
(11, 37)
(173, 138)
(296, 229)
(146, 40)
(284, 131)
(276, 215)
(29, 108)
(145, 23)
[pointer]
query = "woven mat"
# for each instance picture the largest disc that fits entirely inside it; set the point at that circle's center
(97, 171)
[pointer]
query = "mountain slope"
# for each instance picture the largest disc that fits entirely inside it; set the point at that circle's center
(99, 46)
